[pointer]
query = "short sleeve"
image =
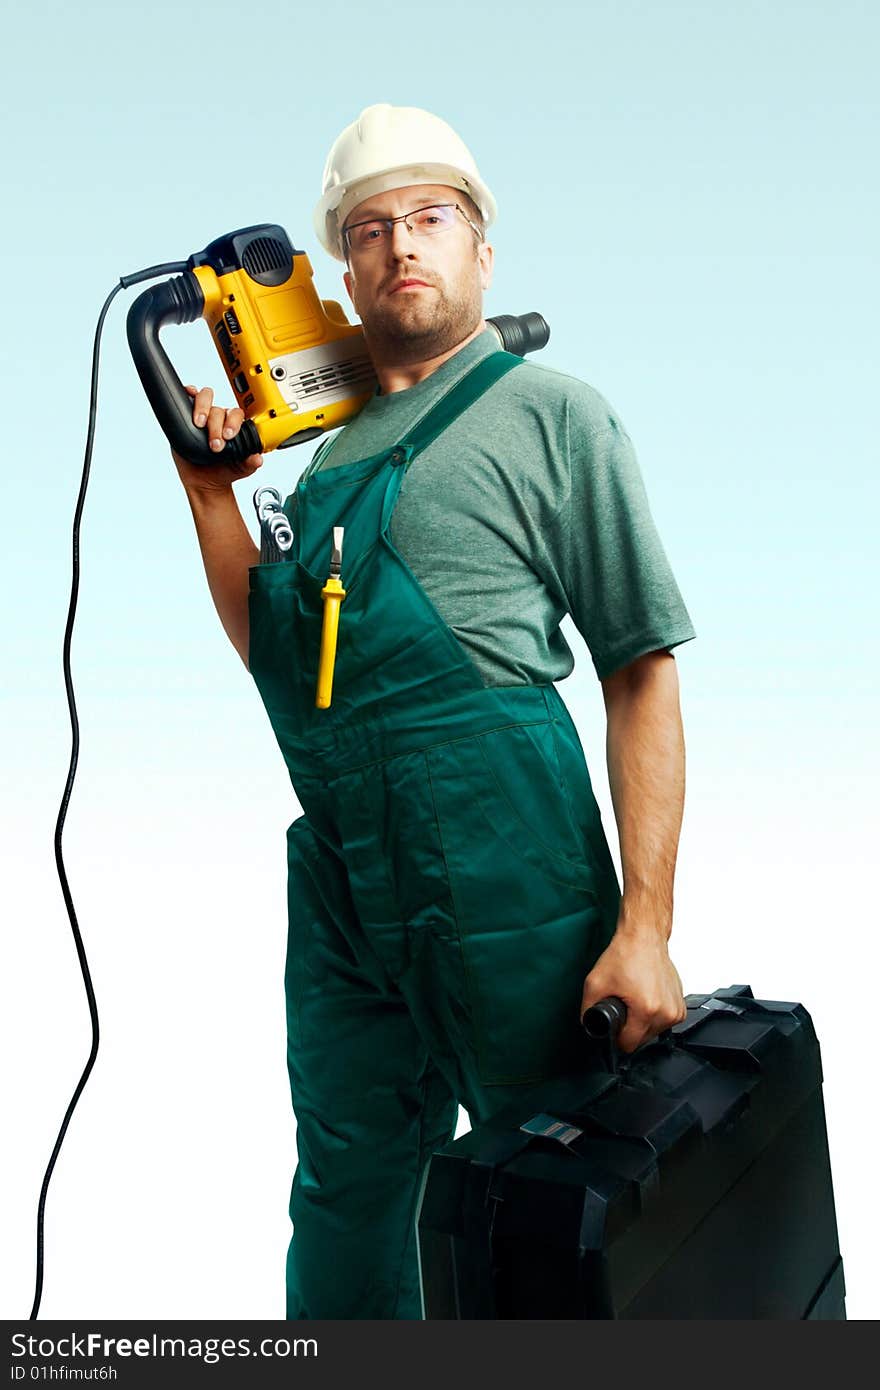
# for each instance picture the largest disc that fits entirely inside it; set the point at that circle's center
(616, 578)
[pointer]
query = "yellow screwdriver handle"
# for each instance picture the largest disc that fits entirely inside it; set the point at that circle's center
(332, 594)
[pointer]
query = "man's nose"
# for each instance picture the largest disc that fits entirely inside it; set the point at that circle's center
(401, 241)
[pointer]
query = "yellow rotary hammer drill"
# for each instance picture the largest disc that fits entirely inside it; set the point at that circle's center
(296, 365)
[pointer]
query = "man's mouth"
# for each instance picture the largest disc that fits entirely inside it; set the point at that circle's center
(409, 284)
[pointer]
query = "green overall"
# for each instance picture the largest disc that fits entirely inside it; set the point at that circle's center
(449, 884)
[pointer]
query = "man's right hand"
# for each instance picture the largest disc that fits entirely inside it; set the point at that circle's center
(222, 425)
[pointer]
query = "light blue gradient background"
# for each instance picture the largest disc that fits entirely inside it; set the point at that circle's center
(688, 193)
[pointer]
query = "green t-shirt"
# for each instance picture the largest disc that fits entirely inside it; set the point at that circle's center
(530, 506)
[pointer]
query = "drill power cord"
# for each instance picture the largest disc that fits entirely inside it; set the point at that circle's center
(171, 268)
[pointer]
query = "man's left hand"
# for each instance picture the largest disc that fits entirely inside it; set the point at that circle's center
(635, 967)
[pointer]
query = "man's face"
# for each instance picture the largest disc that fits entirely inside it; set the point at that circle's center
(426, 320)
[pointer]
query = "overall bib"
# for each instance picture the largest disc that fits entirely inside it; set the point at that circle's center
(449, 881)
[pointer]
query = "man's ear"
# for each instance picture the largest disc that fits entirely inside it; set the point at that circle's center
(486, 256)
(347, 281)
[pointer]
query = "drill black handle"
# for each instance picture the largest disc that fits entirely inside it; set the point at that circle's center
(173, 302)
(521, 333)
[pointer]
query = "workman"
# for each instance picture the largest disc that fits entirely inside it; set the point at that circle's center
(453, 903)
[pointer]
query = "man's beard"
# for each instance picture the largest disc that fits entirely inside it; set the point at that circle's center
(426, 325)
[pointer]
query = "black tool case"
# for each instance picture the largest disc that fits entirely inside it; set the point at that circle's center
(689, 1179)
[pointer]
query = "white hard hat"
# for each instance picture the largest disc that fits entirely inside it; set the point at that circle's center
(392, 147)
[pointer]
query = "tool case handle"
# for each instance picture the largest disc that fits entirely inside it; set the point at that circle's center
(603, 1022)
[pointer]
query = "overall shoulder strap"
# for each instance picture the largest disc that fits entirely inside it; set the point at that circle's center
(323, 448)
(466, 390)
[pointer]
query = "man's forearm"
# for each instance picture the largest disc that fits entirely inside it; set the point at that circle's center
(646, 773)
(228, 552)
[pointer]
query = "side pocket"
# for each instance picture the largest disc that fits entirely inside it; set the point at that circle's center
(529, 922)
(526, 800)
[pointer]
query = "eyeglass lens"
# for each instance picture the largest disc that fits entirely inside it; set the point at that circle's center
(422, 222)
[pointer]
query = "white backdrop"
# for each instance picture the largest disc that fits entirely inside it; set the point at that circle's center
(683, 194)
